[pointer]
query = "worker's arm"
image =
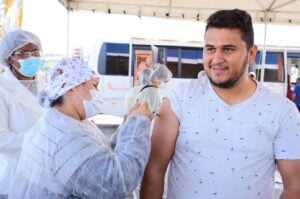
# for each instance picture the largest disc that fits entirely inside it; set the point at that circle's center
(290, 172)
(163, 142)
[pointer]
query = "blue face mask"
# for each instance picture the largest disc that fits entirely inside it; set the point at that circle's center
(30, 66)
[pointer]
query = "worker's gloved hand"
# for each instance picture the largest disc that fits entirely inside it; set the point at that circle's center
(140, 110)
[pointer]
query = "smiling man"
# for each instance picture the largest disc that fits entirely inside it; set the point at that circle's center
(224, 134)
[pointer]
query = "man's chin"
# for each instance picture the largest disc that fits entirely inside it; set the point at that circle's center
(222, 83)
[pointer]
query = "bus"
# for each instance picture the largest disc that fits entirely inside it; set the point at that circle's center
(119, 63)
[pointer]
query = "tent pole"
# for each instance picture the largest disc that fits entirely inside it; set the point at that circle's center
(68, 32)
(264, 49)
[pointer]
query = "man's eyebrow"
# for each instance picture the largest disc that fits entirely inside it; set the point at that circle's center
(208, 45)
(223, 46)
(229, 46)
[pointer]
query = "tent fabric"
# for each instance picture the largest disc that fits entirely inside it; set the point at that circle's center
(262, 11)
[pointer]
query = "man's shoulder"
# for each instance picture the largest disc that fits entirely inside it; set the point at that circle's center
(193, 84)
(201, 80)
(273, 99)
(267, 93)
(189, 89)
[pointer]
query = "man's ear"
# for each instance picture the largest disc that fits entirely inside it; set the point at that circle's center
(252, 53)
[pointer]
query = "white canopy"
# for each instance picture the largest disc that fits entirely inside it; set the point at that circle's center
(262, 11)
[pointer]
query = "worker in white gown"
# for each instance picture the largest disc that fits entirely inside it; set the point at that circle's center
(64, 155)
(20, 62)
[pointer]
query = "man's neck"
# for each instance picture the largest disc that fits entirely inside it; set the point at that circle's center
(244, 89)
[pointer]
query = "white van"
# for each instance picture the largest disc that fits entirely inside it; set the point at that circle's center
(119, 63)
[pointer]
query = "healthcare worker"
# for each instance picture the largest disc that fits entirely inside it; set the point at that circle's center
(64, 155)
(153, 93)
(20, 53)
(131, 97)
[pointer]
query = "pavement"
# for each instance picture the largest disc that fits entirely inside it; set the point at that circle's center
(108, 124)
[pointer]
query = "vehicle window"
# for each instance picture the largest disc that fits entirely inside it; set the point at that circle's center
(293, 61)
(142, 59)
(191, 62)
(117, 59)
(183, 62)
(274, 66)
(172, 60)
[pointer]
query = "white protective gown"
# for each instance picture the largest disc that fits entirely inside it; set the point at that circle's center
(66, 158)
(19, 110)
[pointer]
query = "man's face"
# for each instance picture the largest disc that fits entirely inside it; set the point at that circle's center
(225, 56)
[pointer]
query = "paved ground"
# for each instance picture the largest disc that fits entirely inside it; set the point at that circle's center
(108, 124)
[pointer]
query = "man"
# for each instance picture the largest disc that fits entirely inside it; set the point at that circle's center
(296, 94)
(224, 133)
(20, 53)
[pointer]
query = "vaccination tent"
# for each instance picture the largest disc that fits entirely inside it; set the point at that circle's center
(285, 12)
(262, 11)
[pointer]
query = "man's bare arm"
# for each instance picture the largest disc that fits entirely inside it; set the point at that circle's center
(163, 142)
(290, 172)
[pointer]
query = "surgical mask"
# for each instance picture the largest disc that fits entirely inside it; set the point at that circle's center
(93, 106)
(30, 66)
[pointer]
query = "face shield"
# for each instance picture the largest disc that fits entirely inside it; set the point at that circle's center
(144, 76)
(161, 74)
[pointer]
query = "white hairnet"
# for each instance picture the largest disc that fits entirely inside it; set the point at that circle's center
(66, 74)
(160, 73)
(14, 40)
(144, 76)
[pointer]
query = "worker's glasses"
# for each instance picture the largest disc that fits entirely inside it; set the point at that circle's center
(27, 54)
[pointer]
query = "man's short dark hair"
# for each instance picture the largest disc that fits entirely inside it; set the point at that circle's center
(233, 19)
